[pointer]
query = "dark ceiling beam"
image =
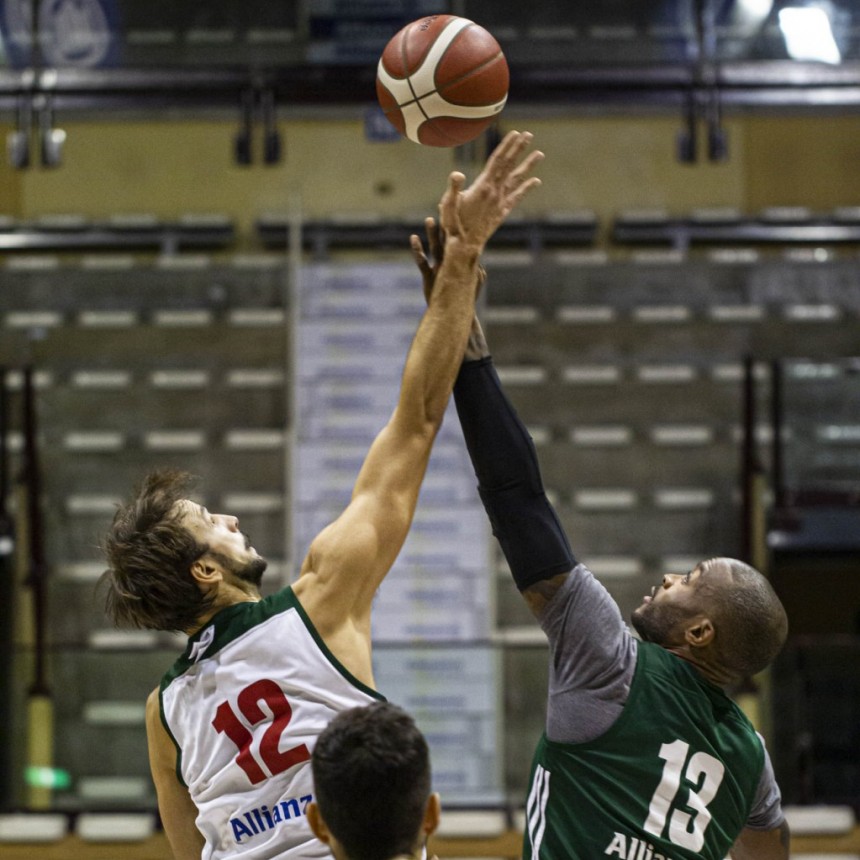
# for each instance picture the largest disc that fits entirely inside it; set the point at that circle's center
(761, 84)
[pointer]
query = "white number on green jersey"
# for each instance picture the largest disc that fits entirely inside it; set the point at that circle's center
(685, 829)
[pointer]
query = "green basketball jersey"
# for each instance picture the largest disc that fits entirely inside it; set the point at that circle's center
(674, 778)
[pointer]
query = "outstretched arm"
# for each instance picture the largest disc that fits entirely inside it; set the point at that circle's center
(504, 458)
(349, 558)
(510, 485)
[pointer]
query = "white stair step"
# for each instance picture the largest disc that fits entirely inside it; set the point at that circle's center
(253, 503)
(33, 827)
(819, 820)
(662, 374)
(616, 567)
(107, 319)
(605, 500)
(468, 824)
(113, 713)
(110, 827)
(182, 318)
(113, 788)
(257, 317)
(593, 374)
(609, 435)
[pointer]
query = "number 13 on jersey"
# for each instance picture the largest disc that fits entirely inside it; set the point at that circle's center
(703, 770)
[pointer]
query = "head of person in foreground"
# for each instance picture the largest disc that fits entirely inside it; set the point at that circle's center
(371, 770)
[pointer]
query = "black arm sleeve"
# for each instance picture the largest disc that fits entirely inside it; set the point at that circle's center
(509, 480)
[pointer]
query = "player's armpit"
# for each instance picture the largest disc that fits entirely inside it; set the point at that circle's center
(537, 596)
(177, 810)
(762, 844)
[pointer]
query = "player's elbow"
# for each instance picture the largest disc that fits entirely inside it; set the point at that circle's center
(763, 844)
(427, 430)
(420, 425)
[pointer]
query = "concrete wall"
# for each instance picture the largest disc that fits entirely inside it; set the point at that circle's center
(169, 167)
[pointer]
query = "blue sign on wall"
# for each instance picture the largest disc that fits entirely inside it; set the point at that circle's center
(60, 33)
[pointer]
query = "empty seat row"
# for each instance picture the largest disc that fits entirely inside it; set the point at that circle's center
(819, 232)
(90, 827)
(612, 373)
(668, 313)
(184, 379)
(799, 372)
(580, 436)
(353, 230)
(249, 317)
(71, 232)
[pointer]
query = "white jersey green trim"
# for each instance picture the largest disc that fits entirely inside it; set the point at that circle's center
(244, 705)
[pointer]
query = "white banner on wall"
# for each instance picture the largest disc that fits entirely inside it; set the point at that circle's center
(354, 326)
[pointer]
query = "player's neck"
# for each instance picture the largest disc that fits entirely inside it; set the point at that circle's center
(709, 669)
(228, 595)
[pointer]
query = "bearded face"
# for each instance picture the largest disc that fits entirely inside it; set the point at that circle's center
(678, 600)
(660, 623)
(252, 571)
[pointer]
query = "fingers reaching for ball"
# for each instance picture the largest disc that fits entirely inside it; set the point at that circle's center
(473, 214)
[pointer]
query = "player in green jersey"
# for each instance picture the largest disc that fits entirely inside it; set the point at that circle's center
(644, 757)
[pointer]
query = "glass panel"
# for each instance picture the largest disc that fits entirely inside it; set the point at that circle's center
(822, 430)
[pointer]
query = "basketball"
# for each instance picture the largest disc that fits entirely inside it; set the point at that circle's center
(442, 80)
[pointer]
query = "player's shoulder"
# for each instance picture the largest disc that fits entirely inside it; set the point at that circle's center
(580, 591)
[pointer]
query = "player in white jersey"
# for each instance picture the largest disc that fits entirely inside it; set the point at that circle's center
(232, 726)
(255, 664)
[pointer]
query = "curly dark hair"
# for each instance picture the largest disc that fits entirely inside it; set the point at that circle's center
(371, 769)
(148, 583)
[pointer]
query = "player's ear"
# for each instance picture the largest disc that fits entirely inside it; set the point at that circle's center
(205, 573)
(317, 825)
(432, 813)
(700, 633)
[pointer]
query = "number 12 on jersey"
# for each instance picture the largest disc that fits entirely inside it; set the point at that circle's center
(685, 829)
(248, 702)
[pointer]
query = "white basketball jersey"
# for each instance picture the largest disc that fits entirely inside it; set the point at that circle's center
(244, 705)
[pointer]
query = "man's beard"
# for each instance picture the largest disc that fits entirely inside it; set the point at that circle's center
(655, 622)
(252, 571)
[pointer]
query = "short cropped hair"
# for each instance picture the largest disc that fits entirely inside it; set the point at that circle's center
(749, 618)
(371, 769)
(148, 583)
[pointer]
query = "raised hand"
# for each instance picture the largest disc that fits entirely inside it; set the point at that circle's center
(476, 345)
(428, 262)
(473, 214)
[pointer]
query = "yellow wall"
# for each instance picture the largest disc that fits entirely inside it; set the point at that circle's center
(803, 162)
(10, 181)
(170, 167)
